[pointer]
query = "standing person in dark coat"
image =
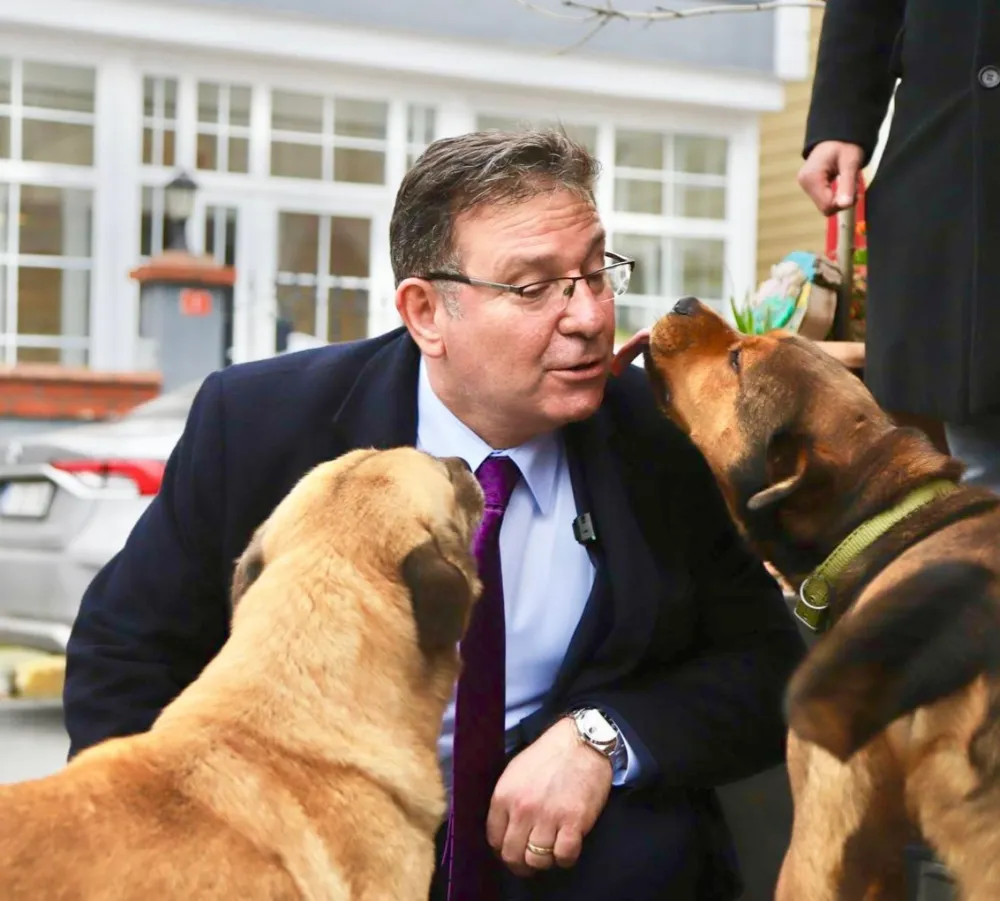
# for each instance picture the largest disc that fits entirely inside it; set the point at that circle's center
(933, 208)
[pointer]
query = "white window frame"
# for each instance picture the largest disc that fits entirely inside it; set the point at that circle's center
(14, 175)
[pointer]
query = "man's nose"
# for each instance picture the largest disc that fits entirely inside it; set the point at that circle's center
(687, 306)
(584, 309)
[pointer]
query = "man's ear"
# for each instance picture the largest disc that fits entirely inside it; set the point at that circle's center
(248, 569)
(441, 596)
(420, 306)
(786, 465)
(915, 643)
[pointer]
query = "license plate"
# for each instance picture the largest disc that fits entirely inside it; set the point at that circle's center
(26, 499)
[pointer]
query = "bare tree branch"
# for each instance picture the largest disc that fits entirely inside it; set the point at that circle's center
(589, 12)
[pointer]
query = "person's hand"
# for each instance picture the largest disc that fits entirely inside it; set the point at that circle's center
(827, 161)
(550, 796)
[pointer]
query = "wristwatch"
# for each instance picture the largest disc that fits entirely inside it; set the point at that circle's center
(598, 731)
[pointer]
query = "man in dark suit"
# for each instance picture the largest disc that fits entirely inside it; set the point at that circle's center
(933, 208)
(629, 654)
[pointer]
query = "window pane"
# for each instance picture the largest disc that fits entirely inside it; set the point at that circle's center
(4, 216)
(149, 96)
(296, 160)
(220, 234)
(364, 166)
(700, 155)
(296, 112)
(57, 142)
(153, 231)
(698, 268)
(239, 155)
(350, 247)
(159, 97)
(420, 124)
(239, 105)
(699, 203)
(647, 251)
(4, 137)
(161, 141)
(207, 152)
(51, 86)
(360, 119)
(53, 302)
(298, 242)
(347, 315)
(633, 196)
(55, 221)
(208, 102)
(297, 305)
(168, 148)
(642, 149)
(4, 80)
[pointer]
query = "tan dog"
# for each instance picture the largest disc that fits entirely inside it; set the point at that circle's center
(302, 763)
(895, 714)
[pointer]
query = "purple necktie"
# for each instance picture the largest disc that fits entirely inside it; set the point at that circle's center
(480, 705)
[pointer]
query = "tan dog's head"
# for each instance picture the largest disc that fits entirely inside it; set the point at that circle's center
(789, 432)
(378, 527)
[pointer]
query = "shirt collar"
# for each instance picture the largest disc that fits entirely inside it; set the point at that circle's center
(441, 433)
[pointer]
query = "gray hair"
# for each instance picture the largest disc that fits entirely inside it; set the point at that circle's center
(484, 168)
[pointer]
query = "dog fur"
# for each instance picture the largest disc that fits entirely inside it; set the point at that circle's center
(302, 763)
(895, 713)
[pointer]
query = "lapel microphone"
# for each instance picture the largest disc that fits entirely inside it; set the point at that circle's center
(583, 529)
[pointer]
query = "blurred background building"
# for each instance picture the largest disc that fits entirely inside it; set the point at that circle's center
(298, 118)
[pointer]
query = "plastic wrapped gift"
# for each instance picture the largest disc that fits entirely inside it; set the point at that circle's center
(800, 295)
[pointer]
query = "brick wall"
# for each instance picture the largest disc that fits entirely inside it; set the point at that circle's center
(37, 391)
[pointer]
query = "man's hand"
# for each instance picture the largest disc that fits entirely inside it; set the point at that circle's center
(827, 161)
(549, 797)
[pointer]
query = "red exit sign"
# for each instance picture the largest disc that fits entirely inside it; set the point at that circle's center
(195, 302)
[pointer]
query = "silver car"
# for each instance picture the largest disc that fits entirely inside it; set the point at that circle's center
(68, 500)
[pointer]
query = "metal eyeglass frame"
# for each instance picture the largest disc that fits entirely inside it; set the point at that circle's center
(520, 291)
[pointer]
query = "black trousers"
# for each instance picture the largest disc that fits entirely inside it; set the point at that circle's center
(637, 851)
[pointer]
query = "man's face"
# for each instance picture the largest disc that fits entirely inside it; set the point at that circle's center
(533, 370)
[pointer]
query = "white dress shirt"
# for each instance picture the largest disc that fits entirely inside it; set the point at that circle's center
(547, 574)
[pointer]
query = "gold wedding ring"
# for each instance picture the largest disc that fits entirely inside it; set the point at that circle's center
(539, 851)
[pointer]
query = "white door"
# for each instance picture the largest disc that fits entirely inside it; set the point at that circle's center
(219, 230)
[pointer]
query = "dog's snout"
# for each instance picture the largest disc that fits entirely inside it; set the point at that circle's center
(686, 306)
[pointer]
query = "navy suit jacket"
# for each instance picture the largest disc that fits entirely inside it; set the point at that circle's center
(691, 647)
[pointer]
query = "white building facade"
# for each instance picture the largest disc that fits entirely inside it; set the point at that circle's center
(298, 128)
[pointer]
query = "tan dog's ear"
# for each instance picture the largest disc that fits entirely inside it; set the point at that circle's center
(914, 643)
(441, 596)
(787, 461)
(248, 569)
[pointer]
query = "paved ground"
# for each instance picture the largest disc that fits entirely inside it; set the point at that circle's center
(32, 743)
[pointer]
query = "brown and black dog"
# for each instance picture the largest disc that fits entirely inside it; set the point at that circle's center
(895, 713)
(302, 763)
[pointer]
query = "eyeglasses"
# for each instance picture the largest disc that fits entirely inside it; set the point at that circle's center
(554, 294)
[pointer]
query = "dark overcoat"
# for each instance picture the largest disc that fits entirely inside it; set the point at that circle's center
(933, 208)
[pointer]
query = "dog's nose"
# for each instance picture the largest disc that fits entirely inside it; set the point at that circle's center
(686, 306)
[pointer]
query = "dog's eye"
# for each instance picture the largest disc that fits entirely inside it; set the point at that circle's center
(734, 359)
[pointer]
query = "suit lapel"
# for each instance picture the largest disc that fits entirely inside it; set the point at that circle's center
(380, 410)
(618, 619)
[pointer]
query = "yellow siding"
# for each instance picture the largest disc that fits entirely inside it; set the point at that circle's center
(786, 218)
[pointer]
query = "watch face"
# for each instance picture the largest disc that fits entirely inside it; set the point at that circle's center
(596, 728)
